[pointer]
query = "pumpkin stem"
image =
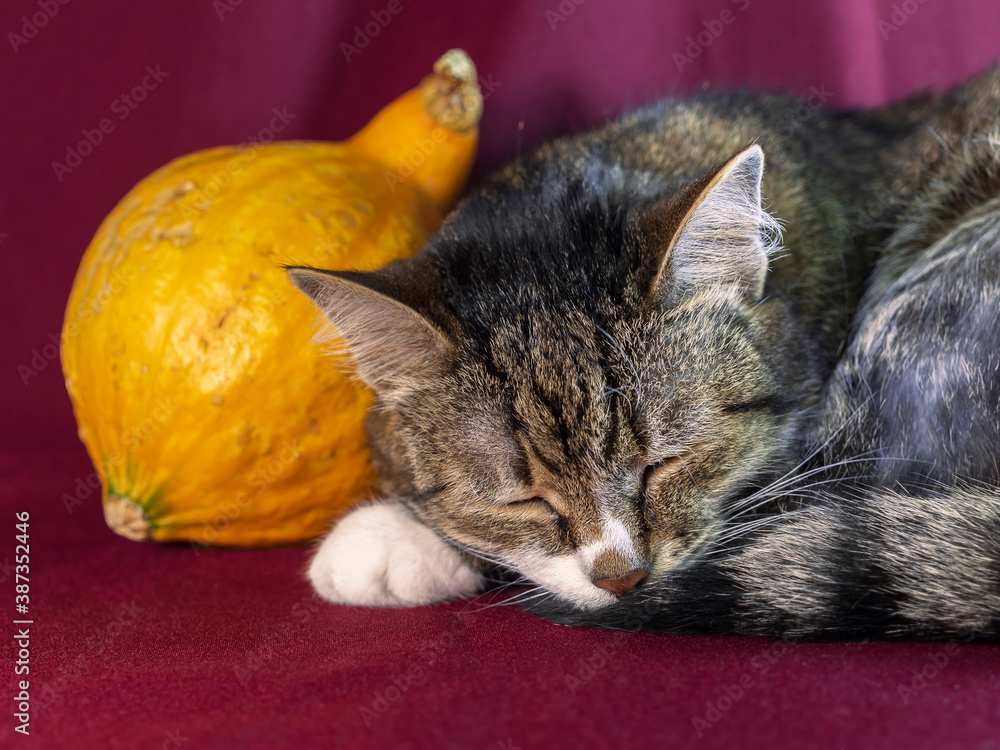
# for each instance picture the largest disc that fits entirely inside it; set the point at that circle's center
(451, 93)
(126, 517)
(427, 137)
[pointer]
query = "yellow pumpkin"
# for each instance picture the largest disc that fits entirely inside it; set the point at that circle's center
(208, 410)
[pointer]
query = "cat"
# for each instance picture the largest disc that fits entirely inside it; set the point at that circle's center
(679, 391)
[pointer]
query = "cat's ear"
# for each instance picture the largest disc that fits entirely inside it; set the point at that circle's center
(716, 231)
(388, 340)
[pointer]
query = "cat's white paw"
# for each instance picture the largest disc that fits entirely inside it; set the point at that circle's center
(379, 555)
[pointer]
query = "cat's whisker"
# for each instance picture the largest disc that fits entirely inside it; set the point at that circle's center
(790, 477)
(693, 480)
(937, 136)
(484, 556)
(775, 491)
(779, 489)
(510, 469)
(722, 543)
(805, 494)
(493, 517)
(830, 438)
(532, 592)
(511, 601)
(535, 595)
(635, 371)
(501, 588)
(740, 529)
(806, 490)
(609, 391)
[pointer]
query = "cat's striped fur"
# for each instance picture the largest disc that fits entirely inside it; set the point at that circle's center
(606, 375)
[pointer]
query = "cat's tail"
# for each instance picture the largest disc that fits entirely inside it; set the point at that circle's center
(875, 564)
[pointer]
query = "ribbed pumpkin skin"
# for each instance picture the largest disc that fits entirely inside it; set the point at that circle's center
(189, 356)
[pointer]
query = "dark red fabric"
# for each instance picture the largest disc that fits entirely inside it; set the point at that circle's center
(139, 645)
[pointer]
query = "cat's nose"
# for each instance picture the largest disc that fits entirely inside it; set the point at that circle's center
(622, 584)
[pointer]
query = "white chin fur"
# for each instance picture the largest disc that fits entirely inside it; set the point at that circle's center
(568, 576)
(563, 576)
(379, 555)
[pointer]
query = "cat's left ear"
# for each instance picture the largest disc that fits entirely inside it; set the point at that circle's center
(375, 314)
(715, 232)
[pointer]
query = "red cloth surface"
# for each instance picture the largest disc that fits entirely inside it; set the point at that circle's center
(147, 646)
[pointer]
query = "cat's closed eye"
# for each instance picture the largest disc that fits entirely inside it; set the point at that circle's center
(661, 468)
(535, 504)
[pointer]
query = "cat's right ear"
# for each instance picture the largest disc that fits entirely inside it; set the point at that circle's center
(388, 340)
(715, 232)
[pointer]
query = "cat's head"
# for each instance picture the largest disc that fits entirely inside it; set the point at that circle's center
(576, 374)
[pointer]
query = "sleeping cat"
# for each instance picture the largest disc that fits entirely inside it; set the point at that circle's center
(679, 391)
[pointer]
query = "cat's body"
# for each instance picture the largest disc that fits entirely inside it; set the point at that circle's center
(604, 374)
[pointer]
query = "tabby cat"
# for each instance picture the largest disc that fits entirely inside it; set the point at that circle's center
(678, 391)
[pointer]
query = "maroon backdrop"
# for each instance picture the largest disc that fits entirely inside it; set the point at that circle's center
(149, 646)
